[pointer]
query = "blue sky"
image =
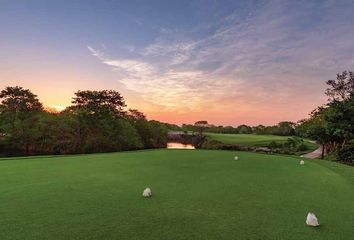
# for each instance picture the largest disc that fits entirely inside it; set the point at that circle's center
(229, 62)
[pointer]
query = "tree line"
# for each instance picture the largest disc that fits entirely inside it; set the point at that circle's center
(284, 128)
(96, 121)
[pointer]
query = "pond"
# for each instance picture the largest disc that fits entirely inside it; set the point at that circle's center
(176, 145)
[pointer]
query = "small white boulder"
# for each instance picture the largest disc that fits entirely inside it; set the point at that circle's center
(236, 158)
(147, 193)
(302, 162)
(311, 220)
(301, 156)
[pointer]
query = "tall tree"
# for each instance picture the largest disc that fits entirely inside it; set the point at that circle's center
(318, 130)
(19, 111)
(333, 124)
(96, 111)
(136, 115)
(201, 126)
(340, 114)
(18, 101)
(244, 129)
(286, 128)
(99, 103)
(342, 88)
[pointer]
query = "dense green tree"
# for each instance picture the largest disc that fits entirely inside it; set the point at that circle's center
(285, 128)
(99, 103)
(340, 110)
(317, 128)
(19, 101)
(19, 111)
(153, 133)
(127, 135)
(244, 129)
(260, 129)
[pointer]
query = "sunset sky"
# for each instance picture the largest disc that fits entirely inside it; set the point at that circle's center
(228, 62)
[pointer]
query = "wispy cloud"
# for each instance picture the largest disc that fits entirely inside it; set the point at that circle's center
(162, 86)
(263, 57)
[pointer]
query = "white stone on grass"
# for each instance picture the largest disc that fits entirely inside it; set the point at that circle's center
(311, 220)
(302, 162)
(236, 158)
(147, 192)
(301, 156)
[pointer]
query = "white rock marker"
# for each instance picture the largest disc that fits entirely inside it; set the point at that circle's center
(147, 193)
(301, 156)
(236, 158)
(311, 220)
(302, 162)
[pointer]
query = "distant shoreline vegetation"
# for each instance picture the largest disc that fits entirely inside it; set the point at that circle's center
(99, 121)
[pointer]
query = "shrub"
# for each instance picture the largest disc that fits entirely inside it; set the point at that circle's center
(346, 154)
(273, 145)
(302, 147)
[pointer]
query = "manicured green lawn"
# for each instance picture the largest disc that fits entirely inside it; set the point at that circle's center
(252, 139)
(197, 194)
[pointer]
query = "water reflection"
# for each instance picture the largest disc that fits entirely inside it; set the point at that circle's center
(176, 145)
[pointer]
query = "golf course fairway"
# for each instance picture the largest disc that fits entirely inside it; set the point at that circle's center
(255, 140)
(196, 194)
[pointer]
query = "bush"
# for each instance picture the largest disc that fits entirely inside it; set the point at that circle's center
(346, 154)
(274, 145)
(210, 144)
(302, 147)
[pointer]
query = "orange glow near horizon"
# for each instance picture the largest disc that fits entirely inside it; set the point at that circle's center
(59, 96)
(249, 63)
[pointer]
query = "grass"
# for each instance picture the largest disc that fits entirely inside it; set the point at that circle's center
(253, 139)
(197, 194)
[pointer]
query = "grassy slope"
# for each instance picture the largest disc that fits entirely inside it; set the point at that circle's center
(196, 195)
(252, 139)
